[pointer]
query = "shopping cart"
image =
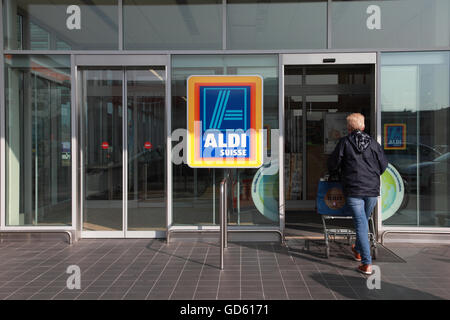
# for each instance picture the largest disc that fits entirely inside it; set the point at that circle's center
(331, 205)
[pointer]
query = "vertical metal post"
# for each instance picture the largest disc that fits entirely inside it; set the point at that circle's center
(304, 145)
(418, 159)
(120, 26)
(36, 154)
(329, 24)
(214, 195)
(224, 24)
(222, 221)
(377, 94)
(2, 128)
(225, 214)
(281, 146)
(124, 153)
(83, 152)
(168, 122)
(238, 196)
(74, 145)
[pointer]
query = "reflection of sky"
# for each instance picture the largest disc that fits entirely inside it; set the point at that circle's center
(412, 81)
(398, 88)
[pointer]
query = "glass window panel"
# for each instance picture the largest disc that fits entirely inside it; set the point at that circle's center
(45, 24)
(39, 38)
(196, 191)
(38, 140)
(171, 24)
(415, 93)
(390, 24)
(293, 128)
(276, 24)
(146, 148)
(102, 140)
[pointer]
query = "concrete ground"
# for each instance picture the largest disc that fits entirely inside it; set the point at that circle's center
(152, 269)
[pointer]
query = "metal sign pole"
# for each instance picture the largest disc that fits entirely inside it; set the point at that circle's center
(225, 233)
(231, 131)
(222, 220)
(224, 216)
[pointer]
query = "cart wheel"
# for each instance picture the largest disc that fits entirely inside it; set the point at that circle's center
(374, 252)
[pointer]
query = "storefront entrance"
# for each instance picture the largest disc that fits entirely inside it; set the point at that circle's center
(122, 151)
(319, 92)
(125, 186)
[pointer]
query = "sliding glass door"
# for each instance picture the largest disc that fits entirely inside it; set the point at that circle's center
(122, 151)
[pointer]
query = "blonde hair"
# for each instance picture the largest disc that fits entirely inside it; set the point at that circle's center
(355, 121)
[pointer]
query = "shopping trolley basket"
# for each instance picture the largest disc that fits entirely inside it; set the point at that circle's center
(331, 205)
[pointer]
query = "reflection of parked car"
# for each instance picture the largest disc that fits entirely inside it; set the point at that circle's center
(433, 174)
(401, 159)
(442, 148)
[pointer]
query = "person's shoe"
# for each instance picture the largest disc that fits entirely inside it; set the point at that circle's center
(365, 268)
(356, 255)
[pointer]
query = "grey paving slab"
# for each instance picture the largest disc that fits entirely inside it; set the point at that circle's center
(151, 269)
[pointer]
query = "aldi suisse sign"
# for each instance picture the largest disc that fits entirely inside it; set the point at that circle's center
(395, 136)
(224, 120)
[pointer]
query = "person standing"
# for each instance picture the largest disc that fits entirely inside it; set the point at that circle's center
(361, 161)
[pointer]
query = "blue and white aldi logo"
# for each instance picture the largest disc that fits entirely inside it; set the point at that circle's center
(225, 121)
(395, 136)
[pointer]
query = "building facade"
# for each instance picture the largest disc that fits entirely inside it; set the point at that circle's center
(74, 158)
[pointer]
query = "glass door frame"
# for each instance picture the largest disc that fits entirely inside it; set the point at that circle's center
(114, 61)
(321, 59)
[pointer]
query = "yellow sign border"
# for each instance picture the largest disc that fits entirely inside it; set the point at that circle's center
(257, 161)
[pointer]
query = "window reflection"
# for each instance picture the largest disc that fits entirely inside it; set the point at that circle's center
(196, 191)
(276, 24)
(61, 25)
(170, 24)
(102, 118)
(146, 148)
(38, 136)
(415, 94)
(390, 24)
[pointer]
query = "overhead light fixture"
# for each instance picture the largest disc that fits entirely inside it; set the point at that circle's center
(156, 74)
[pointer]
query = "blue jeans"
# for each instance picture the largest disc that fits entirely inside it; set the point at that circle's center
(361, 209)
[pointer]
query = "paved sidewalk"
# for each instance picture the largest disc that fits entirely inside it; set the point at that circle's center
(151, 269)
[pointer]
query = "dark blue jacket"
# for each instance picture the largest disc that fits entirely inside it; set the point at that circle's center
(361, 161)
